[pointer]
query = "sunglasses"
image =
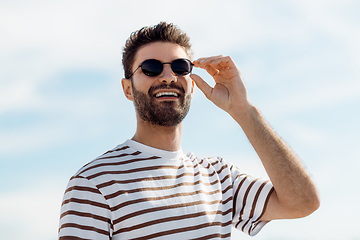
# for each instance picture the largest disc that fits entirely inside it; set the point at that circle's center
(153, 67)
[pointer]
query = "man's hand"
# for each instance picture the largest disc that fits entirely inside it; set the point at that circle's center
(229, 92)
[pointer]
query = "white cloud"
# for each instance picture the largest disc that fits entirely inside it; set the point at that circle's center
(18, 95)
(32, 213)
(320, 95)
(308, 135)
(67, 118)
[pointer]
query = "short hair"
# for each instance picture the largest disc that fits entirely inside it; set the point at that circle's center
(162, 32)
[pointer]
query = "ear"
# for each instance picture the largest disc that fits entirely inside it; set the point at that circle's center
(127, 88)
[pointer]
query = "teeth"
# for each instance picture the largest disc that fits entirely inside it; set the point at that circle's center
(160, 94)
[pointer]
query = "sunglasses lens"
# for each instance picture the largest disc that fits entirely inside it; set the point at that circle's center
(181, 66)
(152, 67)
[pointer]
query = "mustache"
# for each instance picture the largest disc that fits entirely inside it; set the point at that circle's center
(165, 86)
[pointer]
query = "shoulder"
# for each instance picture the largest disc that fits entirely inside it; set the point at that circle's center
(114, 157)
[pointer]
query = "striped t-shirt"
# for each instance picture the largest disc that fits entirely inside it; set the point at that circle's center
(138, 192)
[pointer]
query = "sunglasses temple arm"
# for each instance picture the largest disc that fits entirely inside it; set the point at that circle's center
(133, 72)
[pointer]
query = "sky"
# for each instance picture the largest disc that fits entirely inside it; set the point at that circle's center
(62, 105)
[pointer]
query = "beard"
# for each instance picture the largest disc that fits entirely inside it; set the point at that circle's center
(165, 113)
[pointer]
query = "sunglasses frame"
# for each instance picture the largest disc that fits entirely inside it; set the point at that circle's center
(185, 59)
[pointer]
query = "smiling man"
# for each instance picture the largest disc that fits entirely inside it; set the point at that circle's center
(148, 188)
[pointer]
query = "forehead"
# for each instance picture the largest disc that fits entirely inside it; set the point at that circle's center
(163, 51)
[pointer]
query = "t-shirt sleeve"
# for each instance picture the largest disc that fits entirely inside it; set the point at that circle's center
(85, 213)
(250, 198)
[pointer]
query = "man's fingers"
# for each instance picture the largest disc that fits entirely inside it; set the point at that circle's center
(205, 63)
(222, 63)
(214, 65)
(215, 61)
(211, 70)
(207, 60)
(202, 85)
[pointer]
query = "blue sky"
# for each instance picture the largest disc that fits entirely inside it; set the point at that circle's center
(61, 102)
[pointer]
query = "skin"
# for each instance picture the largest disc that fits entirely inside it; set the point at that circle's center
(295, 194)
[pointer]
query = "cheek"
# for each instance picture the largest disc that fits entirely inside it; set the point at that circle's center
(142, 85)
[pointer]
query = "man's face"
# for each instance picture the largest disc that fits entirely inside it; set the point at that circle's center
(162, 100)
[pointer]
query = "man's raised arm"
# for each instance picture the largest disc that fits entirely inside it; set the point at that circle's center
(295, 194)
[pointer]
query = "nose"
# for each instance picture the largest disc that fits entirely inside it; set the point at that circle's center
(167, 75)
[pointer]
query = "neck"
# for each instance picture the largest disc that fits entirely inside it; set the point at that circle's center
(164, 138)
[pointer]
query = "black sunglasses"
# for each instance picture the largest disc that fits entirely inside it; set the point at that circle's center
(153, 67)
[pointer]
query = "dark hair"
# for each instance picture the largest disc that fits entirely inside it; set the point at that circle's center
(162, 32)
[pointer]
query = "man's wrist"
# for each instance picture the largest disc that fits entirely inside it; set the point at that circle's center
(245, 114)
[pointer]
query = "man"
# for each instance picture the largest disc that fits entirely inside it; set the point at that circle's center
(147, 188)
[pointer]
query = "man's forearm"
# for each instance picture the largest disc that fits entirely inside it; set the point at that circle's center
(293, 186)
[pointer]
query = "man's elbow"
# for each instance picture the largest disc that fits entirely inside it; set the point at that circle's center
(308, 207)
(315, 204)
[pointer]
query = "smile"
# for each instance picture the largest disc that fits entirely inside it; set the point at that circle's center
(166, 94)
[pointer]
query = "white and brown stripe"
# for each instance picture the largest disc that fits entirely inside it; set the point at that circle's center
(137, 192)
